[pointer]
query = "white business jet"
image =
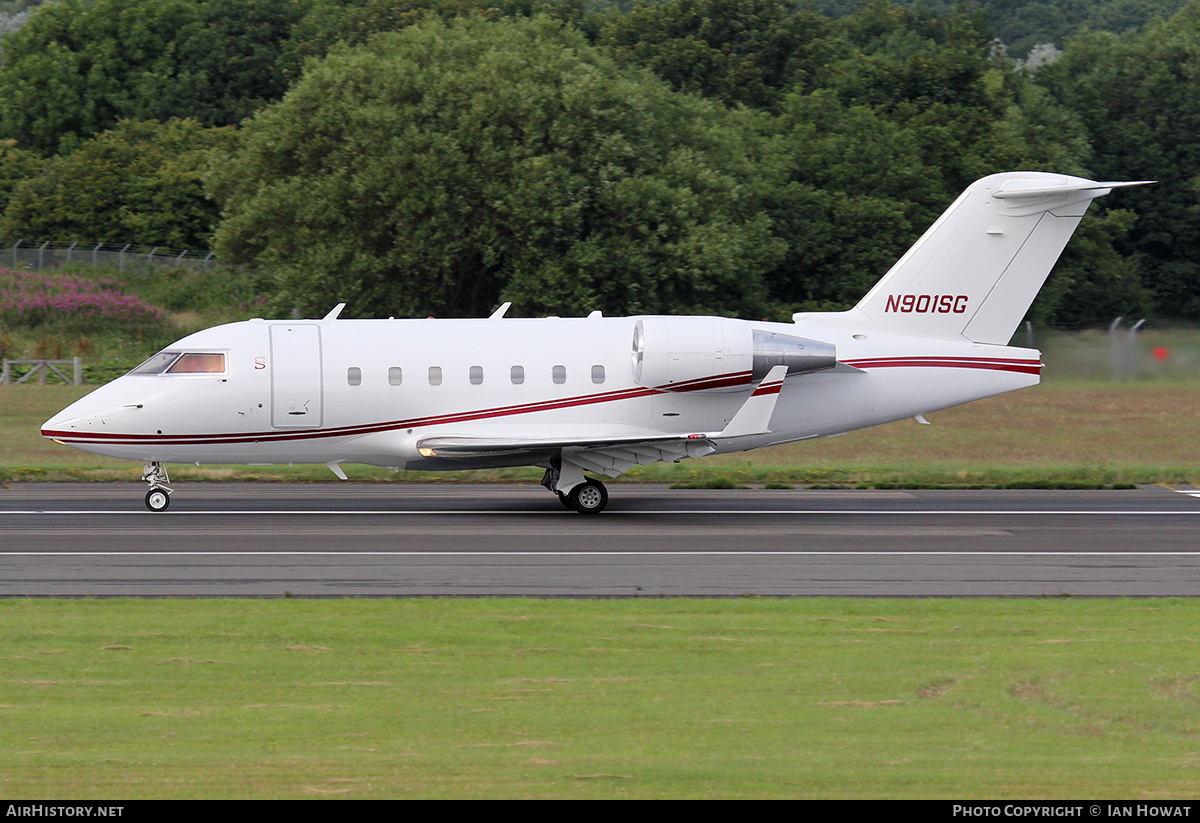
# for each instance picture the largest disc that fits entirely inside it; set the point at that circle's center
(600, 394)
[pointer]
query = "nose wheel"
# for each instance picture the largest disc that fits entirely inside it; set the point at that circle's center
(157, 500)
(159, 496)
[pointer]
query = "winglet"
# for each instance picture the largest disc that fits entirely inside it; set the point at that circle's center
(1024, 188)
(754, 417)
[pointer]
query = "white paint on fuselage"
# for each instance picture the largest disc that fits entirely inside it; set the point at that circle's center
(233, 417)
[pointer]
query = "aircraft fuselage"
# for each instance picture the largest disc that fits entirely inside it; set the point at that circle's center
(368, 391)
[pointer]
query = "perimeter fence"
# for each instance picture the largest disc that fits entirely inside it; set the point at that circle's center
(124, 256)
(18, 371)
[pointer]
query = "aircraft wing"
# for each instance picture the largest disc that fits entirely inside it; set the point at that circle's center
(605, 455)
(615, 454)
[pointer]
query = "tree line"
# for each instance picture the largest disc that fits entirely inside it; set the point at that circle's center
(742, 157)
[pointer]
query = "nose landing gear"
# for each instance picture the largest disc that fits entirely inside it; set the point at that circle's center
(159, 496)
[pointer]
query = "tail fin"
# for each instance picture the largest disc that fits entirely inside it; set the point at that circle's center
(975, 272)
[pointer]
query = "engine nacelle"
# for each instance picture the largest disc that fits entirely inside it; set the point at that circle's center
(718, 354)
(800, 354)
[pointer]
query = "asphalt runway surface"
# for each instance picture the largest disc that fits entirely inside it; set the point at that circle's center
(366, 539)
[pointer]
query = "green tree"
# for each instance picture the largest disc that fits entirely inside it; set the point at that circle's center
(140, 182)
(1139, 96)
(1021, 24)
(737, 51)
(1093, 281)
(451, 165)
(78, 67)
(225, 62)
(911, 108)
(16, 164)
(327, 23)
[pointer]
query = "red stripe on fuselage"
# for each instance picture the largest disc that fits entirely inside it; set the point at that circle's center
(700, 384)
(720, 381)
(717, 381)
(994, 364)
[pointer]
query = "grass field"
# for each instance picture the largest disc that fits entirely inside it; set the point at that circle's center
(1092, 433)
(746, 698)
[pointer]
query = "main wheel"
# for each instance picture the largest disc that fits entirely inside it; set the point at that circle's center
(157, 500)
(589, 497)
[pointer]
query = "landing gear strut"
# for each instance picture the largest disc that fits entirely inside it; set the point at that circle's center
(159, 496)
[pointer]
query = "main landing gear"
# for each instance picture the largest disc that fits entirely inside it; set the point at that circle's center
(585, 495)
(159, 496)
(589, 497)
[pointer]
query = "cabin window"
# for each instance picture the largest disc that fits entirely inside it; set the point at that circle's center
(476, 375)
(559, 374)
(597, 374)
(395, 376)
(435, 375)
(354, 376)
(517, 375)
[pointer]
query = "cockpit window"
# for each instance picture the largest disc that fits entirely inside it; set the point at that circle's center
(157, 364)
(198, 364)
(173, 362)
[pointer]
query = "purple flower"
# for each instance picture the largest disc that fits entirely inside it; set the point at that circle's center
(29, 299)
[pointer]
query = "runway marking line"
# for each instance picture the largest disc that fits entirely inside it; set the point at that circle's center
(611, 514)
(610, 553)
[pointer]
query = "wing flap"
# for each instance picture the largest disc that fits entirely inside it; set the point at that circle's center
(472, 445)
(603, 455)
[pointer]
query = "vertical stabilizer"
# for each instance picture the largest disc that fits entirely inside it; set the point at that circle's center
(975, 272)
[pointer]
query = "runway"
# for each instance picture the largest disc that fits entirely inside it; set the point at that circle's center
(362, 539)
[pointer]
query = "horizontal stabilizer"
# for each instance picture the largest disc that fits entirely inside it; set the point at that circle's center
(1017, 190)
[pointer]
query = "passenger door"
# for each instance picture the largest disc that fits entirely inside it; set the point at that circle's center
(296, 400)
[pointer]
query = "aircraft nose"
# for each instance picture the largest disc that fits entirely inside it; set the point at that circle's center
(109, 409)
(87, 414)
(67, 420)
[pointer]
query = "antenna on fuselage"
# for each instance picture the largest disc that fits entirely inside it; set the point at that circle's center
(333, 314)
(499, 313)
